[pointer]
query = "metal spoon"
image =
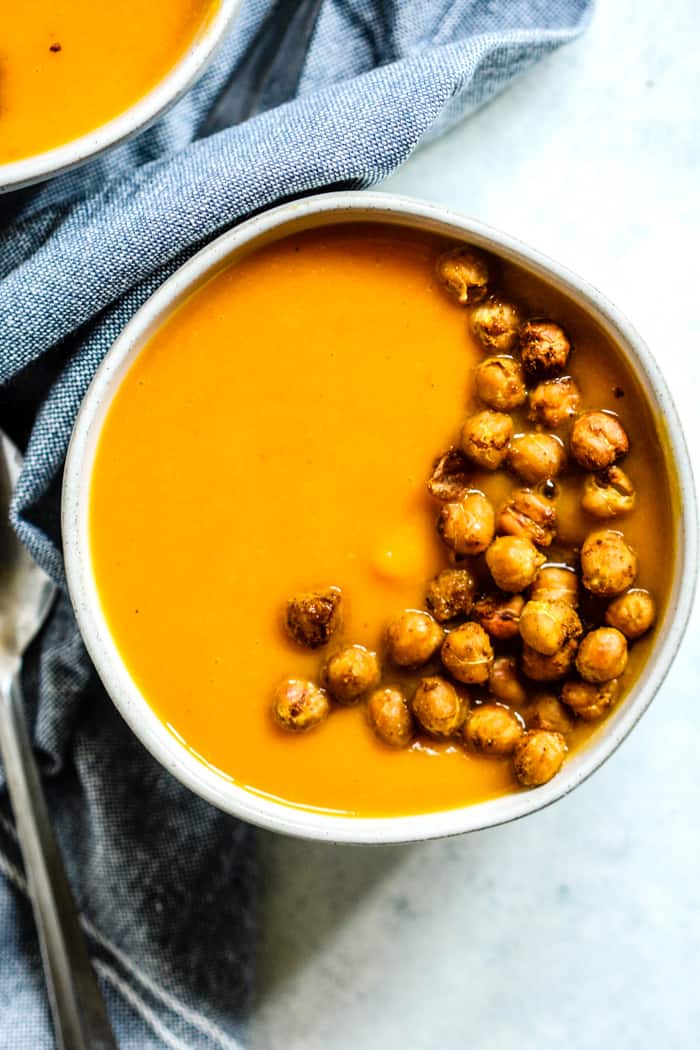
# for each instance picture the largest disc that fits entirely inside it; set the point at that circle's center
(26, 593)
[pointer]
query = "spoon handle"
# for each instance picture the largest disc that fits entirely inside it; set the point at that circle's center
(77, 1007)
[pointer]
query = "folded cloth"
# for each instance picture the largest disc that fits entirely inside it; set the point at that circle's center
(165, 883)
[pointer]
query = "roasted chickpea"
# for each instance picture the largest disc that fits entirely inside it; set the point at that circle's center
(554, 402)
(547, 625)
(485, 438)
(312, 618)
(513, 562)
(499, 615)
(493, 729)
(500, 384)
(589, 700)
(412, 638)
(547, 712)
(527, 513)
(350, 673)
(496, 323)
(438, 706)
(602, 655)
(467, 654)
(390, 717)
(544, 348)
(538, 756)
(598, 440)
(451, 476)
(609, 565)
(464, 274)
(504, 681)
(535, 457)
(450, 594)
(608, 493)
(542, 668)
(555, 583)
(467, 527)
(632, 613)
(299, 705)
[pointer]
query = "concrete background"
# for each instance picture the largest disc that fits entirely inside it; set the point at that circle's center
(577, 927)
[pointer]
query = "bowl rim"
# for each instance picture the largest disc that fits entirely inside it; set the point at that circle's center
(219, 789)
(18, 174)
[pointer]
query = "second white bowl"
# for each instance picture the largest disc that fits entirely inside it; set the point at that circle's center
(33, 169)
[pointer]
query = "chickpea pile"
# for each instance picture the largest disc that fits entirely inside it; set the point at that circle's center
(521, 637)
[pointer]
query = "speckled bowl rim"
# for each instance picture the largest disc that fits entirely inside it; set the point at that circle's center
(20, 173)
(172, 753)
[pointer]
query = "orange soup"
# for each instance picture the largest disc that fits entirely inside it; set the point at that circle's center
(68, 67)
(274, 437)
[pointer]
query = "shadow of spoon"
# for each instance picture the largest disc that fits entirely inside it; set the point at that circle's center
(271, 68)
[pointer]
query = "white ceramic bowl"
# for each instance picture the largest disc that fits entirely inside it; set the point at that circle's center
(221, 791)
(32, 169)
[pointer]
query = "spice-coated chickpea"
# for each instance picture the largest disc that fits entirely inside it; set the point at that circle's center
(513, 562)
(608, 493)
(602, 655)
(544, 348)
(464, 274)
(467, 654)
(450, 594)
(538, 756)
(299, 705)
(499, 615)
(608, 564)
(632, 613)
(350, 673)
(548, 712)
(536, 457)
(528, 513)
(505, 682)
(390, 717)
(542, 668)
(450, 479)
(438, 707)
(467, 526)
(412, 638)
(590, 700)
(554, 402)
(500, 384)
(598, 440)
(547, 625)
(485, 437)
(312, 618)
(493, 729)
(495, 323)
(555, 583)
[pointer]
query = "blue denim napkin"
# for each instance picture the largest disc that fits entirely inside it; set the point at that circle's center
(166, 883)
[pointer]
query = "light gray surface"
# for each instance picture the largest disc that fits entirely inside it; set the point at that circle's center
(579, 926)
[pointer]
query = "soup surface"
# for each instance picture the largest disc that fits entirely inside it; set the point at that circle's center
(275, 436)
(68, 66)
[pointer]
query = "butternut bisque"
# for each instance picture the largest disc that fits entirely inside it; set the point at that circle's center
(68, 67)
(308, 487)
